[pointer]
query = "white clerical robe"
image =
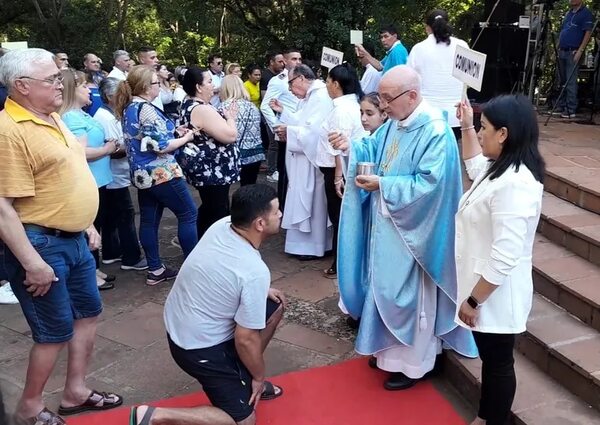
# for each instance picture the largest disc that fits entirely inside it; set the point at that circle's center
(305, 214)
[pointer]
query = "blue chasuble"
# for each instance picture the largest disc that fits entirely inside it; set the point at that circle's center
(388, 238)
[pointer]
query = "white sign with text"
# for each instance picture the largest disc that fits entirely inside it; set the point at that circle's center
(356, 37)
(469, 66)
(331, 58)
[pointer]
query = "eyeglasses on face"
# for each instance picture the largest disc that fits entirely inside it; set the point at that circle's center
(292, 80)
(54, 80)
(394, 98)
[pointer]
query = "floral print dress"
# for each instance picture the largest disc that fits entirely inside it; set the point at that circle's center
(206, 161)
(147, 130)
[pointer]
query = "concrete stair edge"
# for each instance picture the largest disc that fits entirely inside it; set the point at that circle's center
(564, 348)
(567, 188)
(539, 400)
(576, 229)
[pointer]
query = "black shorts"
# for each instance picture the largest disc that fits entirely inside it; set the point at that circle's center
(224, 378)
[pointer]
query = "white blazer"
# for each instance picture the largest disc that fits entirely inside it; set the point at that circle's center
(495, 229)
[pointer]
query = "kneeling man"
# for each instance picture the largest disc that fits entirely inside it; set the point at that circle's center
(221, 314)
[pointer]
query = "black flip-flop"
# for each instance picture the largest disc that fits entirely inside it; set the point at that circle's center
(269, 392)
(145, 419)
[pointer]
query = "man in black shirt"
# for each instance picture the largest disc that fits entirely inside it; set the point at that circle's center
(275, 64)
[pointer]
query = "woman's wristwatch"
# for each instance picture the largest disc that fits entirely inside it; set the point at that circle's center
(473, 302)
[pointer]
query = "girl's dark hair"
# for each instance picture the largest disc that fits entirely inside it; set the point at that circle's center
(345, 75)
(194, 75)
(516, 113)
(438, 22)
(372, 98)
(251, 68)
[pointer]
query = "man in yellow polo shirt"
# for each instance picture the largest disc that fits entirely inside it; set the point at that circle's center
(48, 201)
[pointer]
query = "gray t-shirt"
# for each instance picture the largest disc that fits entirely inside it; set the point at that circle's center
(222, 282)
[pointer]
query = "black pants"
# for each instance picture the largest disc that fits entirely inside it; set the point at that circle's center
(100, 219)
(498, 380)
(215, 205)
(249, 173)
(334, 205)
(119, 237)
(282, 184)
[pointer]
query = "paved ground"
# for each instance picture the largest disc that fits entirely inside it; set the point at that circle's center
(132, 355)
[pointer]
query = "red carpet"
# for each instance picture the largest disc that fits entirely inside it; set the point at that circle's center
(348, 393)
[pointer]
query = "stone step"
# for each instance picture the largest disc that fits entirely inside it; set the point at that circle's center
(567, 280)
(539, 400)
(579, 185)
(564, 348)
(571, 226)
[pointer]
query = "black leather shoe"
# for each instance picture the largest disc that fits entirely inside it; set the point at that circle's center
(352, 323)
(307, 257)
(373, 362)
(398, 381)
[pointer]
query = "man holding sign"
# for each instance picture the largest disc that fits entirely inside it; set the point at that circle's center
(396, 53)
(396, 267)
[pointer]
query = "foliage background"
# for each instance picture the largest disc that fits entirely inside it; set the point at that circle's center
(187, 31)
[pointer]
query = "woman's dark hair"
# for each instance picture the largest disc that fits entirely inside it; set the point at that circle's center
(345, 75)
(194, 75)
(438, 22)
(250, 202)
(516, 113)
(251, 68)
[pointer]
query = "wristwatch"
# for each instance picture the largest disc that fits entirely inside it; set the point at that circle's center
(473, 302)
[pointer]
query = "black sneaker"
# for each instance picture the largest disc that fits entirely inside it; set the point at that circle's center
(167, 274)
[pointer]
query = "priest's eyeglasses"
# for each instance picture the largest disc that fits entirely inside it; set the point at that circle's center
(396, 97)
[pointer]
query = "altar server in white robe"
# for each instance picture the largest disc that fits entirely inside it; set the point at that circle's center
(305, 215)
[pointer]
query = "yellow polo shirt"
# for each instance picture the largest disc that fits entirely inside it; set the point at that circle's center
(43, 167)
(254, 92)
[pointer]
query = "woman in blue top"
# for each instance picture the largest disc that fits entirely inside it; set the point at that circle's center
(151, 143)
(90, 133)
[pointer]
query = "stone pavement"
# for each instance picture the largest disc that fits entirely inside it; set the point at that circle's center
(132, 355)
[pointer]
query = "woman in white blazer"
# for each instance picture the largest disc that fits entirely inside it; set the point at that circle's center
(495, 228)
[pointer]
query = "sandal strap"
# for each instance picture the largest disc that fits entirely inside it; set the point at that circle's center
(147, 416)
(101, 398)
(45, 417)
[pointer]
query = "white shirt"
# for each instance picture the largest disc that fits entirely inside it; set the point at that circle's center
(433, 61)
(370, 79)
(118, 74)
(217, 79)
(113, 130)
(179, 94)
(345, 117)
(223, 282)
(166, 95)
(495, 230)
(158, 102)
(278, 89)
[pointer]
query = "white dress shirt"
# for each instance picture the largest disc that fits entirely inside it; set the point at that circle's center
(217, 79)
(495, 229)
(278, 89)
(370, 79)
(345, 118)
(118, 74)
(434, 61)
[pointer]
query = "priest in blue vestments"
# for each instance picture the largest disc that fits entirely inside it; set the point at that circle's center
(396, 265)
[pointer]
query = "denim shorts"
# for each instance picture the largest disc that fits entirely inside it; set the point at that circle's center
(74, 296)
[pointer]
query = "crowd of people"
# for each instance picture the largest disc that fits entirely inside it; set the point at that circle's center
(374, 179)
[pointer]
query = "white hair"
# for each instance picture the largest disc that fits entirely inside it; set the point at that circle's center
(21, 63)
(118, 53)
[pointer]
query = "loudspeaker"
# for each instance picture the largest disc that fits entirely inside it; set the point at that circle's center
(505, 47)
(507, 11)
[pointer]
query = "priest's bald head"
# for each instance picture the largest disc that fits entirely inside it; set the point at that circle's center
(400, 92)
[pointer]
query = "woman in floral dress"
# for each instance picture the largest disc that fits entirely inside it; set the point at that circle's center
(151, 142)
(211, 163)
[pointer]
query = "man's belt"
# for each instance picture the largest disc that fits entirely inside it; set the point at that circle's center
(51, 232)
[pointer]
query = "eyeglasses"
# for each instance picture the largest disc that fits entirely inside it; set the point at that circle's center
(155, 82)
(55, 80)
(391, 100)
(292, 80)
